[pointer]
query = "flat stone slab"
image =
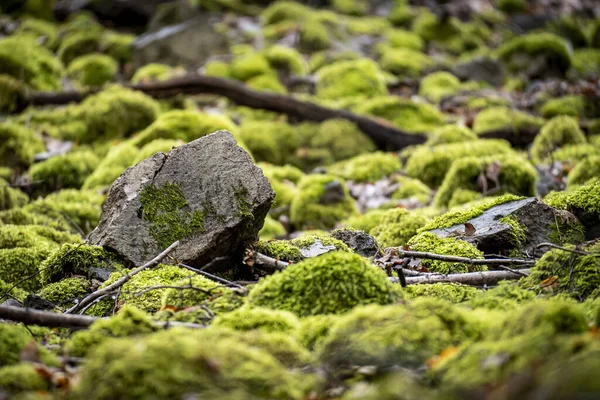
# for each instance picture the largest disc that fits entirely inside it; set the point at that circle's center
(208, 194)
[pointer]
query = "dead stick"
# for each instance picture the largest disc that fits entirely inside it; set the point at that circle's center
(121, 281)
(576, 251)
(30, 316)
(271, 264)
(385, 135)
(465, 260)
(471, 278)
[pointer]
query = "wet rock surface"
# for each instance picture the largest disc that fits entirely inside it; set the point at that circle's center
(359, 241)
(208, 194)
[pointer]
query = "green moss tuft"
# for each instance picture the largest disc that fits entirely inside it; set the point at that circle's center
(12, 93)
(397, 226)
(572, 106)
(585, 64)
(369, 167)
(365, 222)
(271, 229)
(92, 70)
(44, 31)
(152, 72)
(249, 66)
(313, 329)
(504, 118)
(18, 145)
(246, 319)
(341, 138)
(557, 132)
(65, 293)
(431, 243)
(279, 249)
(116, 161)
(11, 197)
(584, 171)
(405, 62)
(350, 78)
(286, 59)
(118, 46)
(78, 44)
(64, 171)
(450, 134)
(270, 141)
(22, 377)
(452, 292)
(13, 339)
(506, 296)
(439, 84)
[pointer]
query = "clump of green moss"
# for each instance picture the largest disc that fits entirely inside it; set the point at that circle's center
(313, 329)
(450, 134)
(246, 319)
(323, 200)
(395, 335)
(152, 72)
(332, 283)
(573, 106)
(286, 59)
(559, 131)
(92, 69)
(560, 271)
(400, 38)
(571, 154)
(405, 114)
(65, 293)
(271, 229)
(452, 292)
(10, 290)
(553, 48)
(129, 321)
(22, 378)
(504, 118)
(202, 290)
(270, 141)
(410, 188)
(431, 243)
(516, 176)
(185, 361)
(18, 145)
(431, 165)
(323, 58)
(44, 31)
(65, 171)
(366, 167)
(77, 259)
(168, 213)
(283, 181)
(118, 46)
(350, 78)
(279, 249)
(12, 93)
(307, 239)
(20, 266)
(249, 66)
(78, 44)
(439, 84)
(506, 296)
(341, 138)
(365, 222)
(11, 197)
(585, 64)
(267, 82)
(117, 160)
(584, 171)
(24, 59)
(13, 339)
(405, 62)
(397, 226)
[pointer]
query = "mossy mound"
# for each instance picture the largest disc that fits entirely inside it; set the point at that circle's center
(583, 201)
(247, 319)
(584, 171)
(350, 78)
(332, 283)
(367, 167)
(573, 274)
(65, 293)
(274, 142)
(114, 163)
(405, 62)
(12, 93)
(572, 106)
(23, 377)
(323, 200)
(506, 296)
(505, 119)
(397, 226)
(439, 84)
(286, 59)
(450, 134)
(63, 172)
(11, 197)
(410, 188)
(431, 243)
(18, 145)
(452, 292)
(15, 338)
(196, 291)
(365, 222)
(313, 329)
(341, 138)
(78, 44)
(153, 72)
(283, 181)
(558, 132)
(92, 70)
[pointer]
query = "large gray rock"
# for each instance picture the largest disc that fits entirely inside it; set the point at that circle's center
(208, 194)
(539, 223)
(188, 43)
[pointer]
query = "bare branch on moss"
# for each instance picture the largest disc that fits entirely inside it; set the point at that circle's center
(383, 133)
(514, 271)
(268, 264)
(30, 316)
(576, 251)
(121, 281)
(210, 276)
(465, 260)
(180, 287)
(483, 278)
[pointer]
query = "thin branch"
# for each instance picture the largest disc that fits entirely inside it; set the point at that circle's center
(269, 264)
(465, 260)
(576, 251)
(484, 278)
(210, 276)
(514, 271)
(158, 287)
(121, 281)
(30, 316)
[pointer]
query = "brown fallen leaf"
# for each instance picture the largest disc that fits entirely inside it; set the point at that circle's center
(549, 283)
(469, 229)
(446, 353)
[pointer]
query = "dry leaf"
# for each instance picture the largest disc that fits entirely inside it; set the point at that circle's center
(482, 182)
(549, 283)
(446, 353)
(469, 229)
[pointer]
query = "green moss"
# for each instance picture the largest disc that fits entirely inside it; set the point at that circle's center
(249, 66)
(365, 222)
(401, 14)
(397, 226)
(369, 167)
(279, 249)
(267, 82)
(309, 238)
(573, 106)
(185, 361)
(8, 290)
(452, 292)
(581, 200)
(92, 69)
(462, 215)
(129, 321)
(450, 134)
(332, 283)
(323, 58)
(405, 62)
(431, 165)
(78, 44)
(350, 78)
(33, 236)
(283, 11)
(286, 59)
(182, 298)
(44, 31)
(313, 329)
(583, 171)
(573, 274)
(271, 229)
(400, 38)
(118, 46)
(439, 84)
(313, 36)
(22, 377)
(431, 243)
(395, 335)
(341, 138)
(571, 154)
(12, 93)
(405, 114)
(168, 213)
(246, 319)
(219, 69)
(410, 188)
(516, 177)
(19, 266)
(119, 158)
(506, 296)
(186, 125)
(557, 132)
(351, 7)
(77, 259)
(585, 64)
(553, 48)
(156, 146)
(65, 293)
(504, 118)
(152, 72)
(24, 59)
(13, 339)
(65, 171)
(18, 145)
(11, 197)
(314, 208)
(283, 181)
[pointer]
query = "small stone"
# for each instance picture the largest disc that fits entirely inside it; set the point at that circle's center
(359, 241)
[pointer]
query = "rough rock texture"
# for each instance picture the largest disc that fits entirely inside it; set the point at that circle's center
(190, 42)
(493, 236)
(208, 194)
(361, 242)
(481, 69)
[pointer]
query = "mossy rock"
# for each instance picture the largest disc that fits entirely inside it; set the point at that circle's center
(405, 62)
(44, 31)
(19, 266)
(11, 197)
(365, 222)
(286, 59)
(431, 243)
(506, 296)
(505, 119)
(249, 66)
(274, 142)
(314, 328)
(203, 292)
(369, 167)
(18, 145)
(584, 171)
(452, 292)
(341, 138)
(12, 93)
(153, 72)
(397, 226)
(65, 293)
(332, 283)
(437, 85)
(323, 200)
(256, 318)
(116, 161)
(14, 339)
(350, 78)
(559, 131)
(63, 172)
(78, 44)
(585, 64)
(22, 378)
(92, 70)
(283, 181)
(450, 134)
(572, 106)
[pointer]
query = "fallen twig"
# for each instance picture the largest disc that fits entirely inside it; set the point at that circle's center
(471, 278)
(121, 281)
(514, 271)
(184, 287)
(385, 135)
(465, 260)
(576, 251)
(210, 276)
(30, 316)
(268, 264)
